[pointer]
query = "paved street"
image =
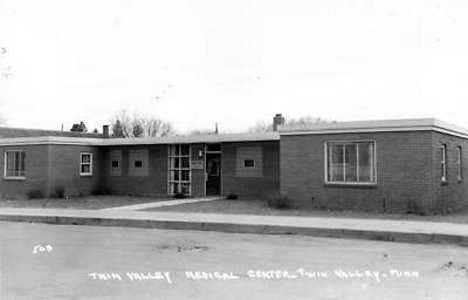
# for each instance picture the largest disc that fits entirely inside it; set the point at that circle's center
(39, 261)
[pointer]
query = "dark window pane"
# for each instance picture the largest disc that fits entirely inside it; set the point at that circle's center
(86, 158)
(366, 169)
(85, 168)
(185, 162)
(351, 162)
(174, 188)
(115, 164)
(249, 163)
(138, 164)
(175, 163)
(186, 175)
(175, 175)
(335, 165)
(185, 150)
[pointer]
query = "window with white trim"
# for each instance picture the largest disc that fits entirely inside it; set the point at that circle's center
(460, 163)
(15, 164)
(443, 163)
(350, 162)
(179, 169)
(86, 164)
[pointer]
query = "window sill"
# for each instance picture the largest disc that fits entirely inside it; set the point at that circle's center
(14, 178)
(351, 185)
(86, 175)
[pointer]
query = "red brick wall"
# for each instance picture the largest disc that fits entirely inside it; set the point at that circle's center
(155, 184)
(452, 195)
(250, 187)
(37, 159)
(64, 170)
(404, 173)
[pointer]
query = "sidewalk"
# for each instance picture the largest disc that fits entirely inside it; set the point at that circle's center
(162, 203)
(372, 229)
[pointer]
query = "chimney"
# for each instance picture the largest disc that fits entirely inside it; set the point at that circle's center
(105, 131)
(277, 121)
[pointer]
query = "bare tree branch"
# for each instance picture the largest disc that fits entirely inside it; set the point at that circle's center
(126, 125)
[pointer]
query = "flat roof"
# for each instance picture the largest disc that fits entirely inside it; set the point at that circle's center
(192, 139)
(12, 132)
(422, 124)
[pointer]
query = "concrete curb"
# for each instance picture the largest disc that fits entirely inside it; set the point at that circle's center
(230, 227)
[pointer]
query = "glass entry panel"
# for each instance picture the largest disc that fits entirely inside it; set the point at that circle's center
(179, 169)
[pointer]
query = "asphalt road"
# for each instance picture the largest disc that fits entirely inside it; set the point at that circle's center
(39, 261)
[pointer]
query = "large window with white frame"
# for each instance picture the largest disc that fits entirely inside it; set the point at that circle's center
(86, 164)
(15, 164)
(443, 163)
(349, 162)
(179, 169)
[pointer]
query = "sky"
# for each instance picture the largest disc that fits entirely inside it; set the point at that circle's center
(234, 62)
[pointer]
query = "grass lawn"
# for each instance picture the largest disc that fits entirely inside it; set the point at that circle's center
(88, 202)
(260, 207)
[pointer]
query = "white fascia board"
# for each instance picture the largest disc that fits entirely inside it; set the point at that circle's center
(383, 126)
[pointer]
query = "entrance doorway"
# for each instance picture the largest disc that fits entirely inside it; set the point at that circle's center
(213, 172)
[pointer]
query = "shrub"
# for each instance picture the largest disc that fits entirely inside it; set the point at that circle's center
(279, 201)
(35, 194)
(59, 192)
(97, 191)
(414, 208)
(231, 197)
(179, 195)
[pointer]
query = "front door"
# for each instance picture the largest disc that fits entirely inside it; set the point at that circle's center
(213, 174)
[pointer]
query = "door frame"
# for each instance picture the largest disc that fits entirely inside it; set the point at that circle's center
(220, 152)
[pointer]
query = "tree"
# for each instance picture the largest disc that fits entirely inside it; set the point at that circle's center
(118, 130)
(126, 125)
(137, 130)
(155, 127)
(302, 122)
(81, 127)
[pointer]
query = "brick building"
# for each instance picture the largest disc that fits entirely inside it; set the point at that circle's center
(395, 166)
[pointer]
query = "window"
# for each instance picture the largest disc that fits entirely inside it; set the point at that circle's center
(86, 165)
(15, 167)
(138, 162)
(443, 163)
(179, 169)
(115, 157)
(460, 163)
(350, 162)
(249, 163)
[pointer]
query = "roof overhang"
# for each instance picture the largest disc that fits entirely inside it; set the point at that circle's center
(197, 139)
(426, 124)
